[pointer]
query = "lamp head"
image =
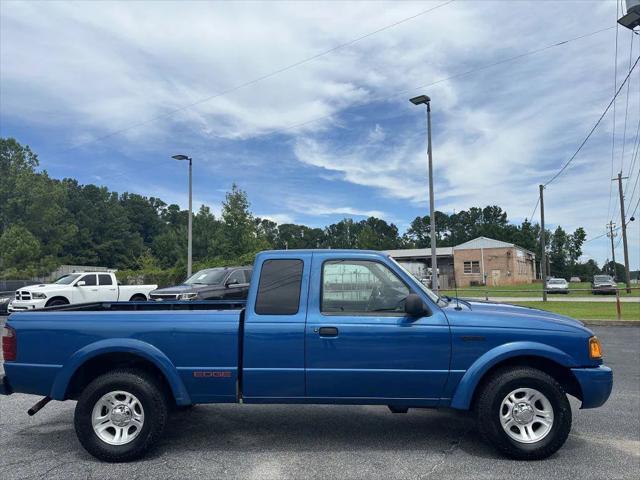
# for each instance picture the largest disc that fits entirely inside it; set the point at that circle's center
(419, 100)
(180, 157)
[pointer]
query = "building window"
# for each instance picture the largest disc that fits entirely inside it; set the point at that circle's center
(472, 267)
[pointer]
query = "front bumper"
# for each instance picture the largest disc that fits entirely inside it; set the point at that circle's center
(603, 289)
(595, 383)
(5, 388)
(557, 290)
(25, 305)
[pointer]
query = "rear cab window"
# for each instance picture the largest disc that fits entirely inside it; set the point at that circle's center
(104, 279)
(279, 287)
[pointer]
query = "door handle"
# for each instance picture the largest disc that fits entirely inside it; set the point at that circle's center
(328, 332)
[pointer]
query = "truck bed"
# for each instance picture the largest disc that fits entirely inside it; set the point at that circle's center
(194, 344)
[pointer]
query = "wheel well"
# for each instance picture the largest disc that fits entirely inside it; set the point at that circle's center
(563, 375)
(64, 299)
(137, 296)
(104, 363)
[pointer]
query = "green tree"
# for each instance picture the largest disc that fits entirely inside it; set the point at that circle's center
(207, 235)
(558, 252)
(20, 248)
(574, 245)
(376, 234)
(238, 229)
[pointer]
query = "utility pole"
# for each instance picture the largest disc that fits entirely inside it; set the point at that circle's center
(627, 279)
(543, 262)
(612, 234)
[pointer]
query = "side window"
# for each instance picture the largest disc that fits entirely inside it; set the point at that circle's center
(104, 279)
(89, 280)
(236, 277)
(361, 287)
(279, 287)
(247, 275)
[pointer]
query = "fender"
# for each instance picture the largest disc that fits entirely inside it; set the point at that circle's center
(128, 345)
(464, 392)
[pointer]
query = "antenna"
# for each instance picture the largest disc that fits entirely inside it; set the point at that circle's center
(455, 283)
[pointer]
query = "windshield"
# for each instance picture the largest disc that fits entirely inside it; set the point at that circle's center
(429, 293)
(603, 278)
(556, 281)
(212, 276)
(67, 279)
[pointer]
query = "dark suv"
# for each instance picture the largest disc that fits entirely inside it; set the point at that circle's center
(223, 283)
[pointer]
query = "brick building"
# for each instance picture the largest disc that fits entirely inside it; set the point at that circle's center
(492, 262)
(476, 262)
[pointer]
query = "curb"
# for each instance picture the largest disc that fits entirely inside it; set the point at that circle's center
(612, 323)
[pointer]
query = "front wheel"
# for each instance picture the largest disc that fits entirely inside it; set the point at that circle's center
(524, 413)
(120, 415)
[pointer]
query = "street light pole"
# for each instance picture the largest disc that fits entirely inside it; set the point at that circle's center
(190, 226)
(423, 99)
(190, 234)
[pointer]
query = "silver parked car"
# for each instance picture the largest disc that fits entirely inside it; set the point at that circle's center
(603, 284)
(557, 285)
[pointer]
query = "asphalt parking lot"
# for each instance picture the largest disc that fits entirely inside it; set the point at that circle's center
(242, 441)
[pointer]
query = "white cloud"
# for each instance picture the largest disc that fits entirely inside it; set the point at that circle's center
(85, 70)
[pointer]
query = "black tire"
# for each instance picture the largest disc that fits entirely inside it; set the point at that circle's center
(56, 302)
(138, 298)
(489, 403)
(151, 396)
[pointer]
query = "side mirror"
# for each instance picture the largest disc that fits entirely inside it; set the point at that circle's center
(232, 282)
(414, 306)
(81, 283)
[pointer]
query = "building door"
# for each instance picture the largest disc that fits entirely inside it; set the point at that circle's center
(495, 277)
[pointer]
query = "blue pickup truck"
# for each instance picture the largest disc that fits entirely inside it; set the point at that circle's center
(318, 327)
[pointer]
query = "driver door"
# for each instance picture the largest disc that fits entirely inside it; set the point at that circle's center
(360, 344)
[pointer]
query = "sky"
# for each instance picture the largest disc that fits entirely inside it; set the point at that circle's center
(305, 105)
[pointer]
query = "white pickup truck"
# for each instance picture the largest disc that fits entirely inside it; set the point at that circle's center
(78, 288)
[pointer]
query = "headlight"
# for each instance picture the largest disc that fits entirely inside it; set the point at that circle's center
(188, 296)
(595, 349)
(37, 295)
(5, 300)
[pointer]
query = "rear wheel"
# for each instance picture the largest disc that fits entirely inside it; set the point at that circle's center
(120, 415)
(524, 413)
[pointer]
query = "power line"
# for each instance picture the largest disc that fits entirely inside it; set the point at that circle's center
(600, 236)
(635, 208)
(535, 208)
(594, 127)
(261, 78)
(634, 187)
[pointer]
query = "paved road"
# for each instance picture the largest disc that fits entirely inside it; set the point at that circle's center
(242, 441)
(558, 298)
